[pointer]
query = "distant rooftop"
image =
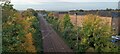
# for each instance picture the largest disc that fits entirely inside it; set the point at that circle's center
(115, 14)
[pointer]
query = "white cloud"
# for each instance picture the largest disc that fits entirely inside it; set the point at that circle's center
(41, 1)
(90, 0)
(25, 1)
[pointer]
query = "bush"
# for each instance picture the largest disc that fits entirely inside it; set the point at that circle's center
(96, 33)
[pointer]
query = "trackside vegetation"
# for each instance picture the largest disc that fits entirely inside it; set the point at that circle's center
(93, 36)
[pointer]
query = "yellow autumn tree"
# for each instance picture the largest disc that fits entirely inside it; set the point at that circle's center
(96, 34)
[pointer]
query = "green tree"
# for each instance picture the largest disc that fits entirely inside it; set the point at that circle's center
(96, 34)
(67, 23)
(67, 27)
(11, 29)
(17, 31)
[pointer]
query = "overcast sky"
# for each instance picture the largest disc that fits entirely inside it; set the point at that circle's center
(64, 4)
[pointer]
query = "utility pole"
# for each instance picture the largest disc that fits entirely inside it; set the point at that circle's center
(76, 31)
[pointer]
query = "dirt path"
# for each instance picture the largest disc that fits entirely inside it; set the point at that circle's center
(51, 40)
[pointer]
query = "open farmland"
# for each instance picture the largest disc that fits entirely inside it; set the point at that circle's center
(80, 19)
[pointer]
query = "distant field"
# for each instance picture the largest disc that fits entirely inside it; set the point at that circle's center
(81, 17)
(79, 20)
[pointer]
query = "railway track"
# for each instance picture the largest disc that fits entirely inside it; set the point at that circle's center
(51, 40)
